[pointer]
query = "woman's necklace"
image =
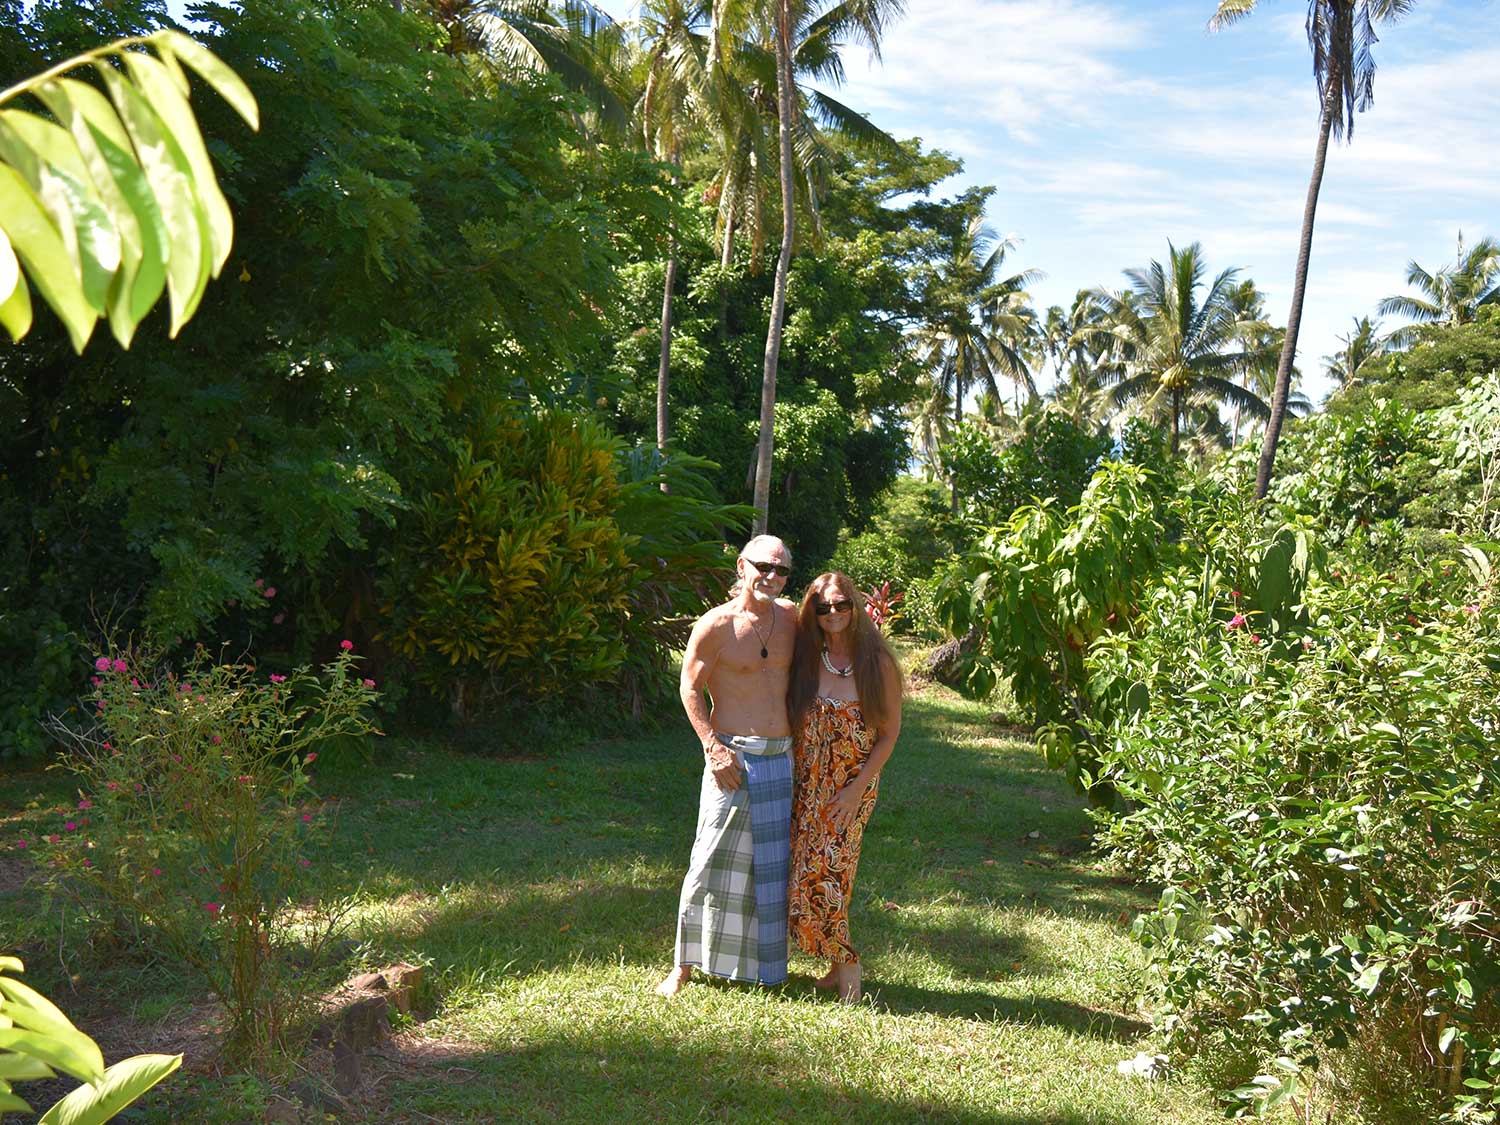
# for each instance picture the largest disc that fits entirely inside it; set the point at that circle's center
(766, 640)
(841, 672)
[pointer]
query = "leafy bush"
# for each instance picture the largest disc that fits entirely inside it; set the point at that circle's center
(1050, 458)
(510, 576)
(1042, 587)
(680, 564)
(41, 656)
(1320, 805)
(198, 823)
(35, 1038)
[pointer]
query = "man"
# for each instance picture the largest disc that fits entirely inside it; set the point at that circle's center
(731, 918)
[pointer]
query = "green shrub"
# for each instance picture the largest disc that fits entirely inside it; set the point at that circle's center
(510, 577)
(1050, 458)
(680, 564)
(1320, 803)
(197, 823)
(40, 655)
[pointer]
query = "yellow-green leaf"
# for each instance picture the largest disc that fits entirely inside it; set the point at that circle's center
(128, 307)
(15, 299)
(171, 183)
(30, 1009)
(172, 109)
(9, 1103)
(21, 1068)
(122, 1084)
(82, 110)
(39, 246)
(209, 68)
(78, 1056)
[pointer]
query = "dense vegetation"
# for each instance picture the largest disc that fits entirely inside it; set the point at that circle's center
(488, 386)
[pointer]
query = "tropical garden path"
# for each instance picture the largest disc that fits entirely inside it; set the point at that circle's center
(541, 892)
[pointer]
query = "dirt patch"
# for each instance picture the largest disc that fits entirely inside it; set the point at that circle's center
(16, 869)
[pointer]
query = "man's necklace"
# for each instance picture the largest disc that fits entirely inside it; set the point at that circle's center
(842, 672)
(766, 640)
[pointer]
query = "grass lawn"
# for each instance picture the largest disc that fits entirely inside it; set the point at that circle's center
(541, 894)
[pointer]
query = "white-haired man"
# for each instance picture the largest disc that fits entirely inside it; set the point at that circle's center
(732, 916)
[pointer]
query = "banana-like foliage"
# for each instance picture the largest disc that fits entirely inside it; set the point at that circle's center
(37, 1040)
(112, 198)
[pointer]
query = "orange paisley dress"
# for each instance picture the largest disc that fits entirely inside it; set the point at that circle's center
(831, 746)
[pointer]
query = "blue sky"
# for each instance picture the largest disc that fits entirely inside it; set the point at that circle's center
(1111, 126)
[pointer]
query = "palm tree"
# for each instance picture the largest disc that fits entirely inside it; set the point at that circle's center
(980, 335)
(818, 32)
(570, 38)
(1341, 34)
(931, 427)
(1363, 343)
(674, 98)
(1178, 354)
(1451, 295)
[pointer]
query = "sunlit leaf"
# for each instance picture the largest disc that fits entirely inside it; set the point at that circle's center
(41, 249)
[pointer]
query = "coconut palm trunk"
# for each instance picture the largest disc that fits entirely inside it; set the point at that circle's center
(664, 369)
(1332, 89)
(784, 97)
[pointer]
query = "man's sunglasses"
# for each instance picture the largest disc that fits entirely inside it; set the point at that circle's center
(840, 605)
(770, 568)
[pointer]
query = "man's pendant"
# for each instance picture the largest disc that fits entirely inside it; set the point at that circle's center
(763, 652)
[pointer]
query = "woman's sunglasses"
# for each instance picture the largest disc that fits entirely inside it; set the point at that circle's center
(840, 605)
(770, 568)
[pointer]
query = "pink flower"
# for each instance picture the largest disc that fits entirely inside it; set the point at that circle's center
(112, 786)
(369, 684)
(85, 804)
(119, 666)
(278, 619)
(217, 740)
(275, 679)
(306, 862)
(1236, 621)
(1471, 609)
(211, 907)
(270, 592)
(243, 779)
(1234, 594)
(87, 862)
(347, 646)
(307, 818)
(54, 838)
(102, 664)
(156, 871)
(312, 756)
(70, 827)
(98, 705)
(21, 843)
(259, 582)
(107, 746)
(94, 681)
(1255, 637)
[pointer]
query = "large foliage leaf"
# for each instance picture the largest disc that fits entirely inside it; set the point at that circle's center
(113, 197)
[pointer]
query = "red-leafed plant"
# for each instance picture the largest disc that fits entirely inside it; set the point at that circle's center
(880, 603)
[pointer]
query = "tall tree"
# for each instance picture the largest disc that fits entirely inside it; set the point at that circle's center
(674, 97)
(822, 31)
(977, 335)
(1179, 353)
(1452, 294)
(1341, 34)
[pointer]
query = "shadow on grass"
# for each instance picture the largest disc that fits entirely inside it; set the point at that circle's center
(623, 1078)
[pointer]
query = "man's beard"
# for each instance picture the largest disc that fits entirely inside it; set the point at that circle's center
(760, 592)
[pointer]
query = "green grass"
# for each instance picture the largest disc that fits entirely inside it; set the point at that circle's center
(542, 893)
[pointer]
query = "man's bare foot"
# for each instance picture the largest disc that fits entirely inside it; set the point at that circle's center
(672, 983)
(848, 983)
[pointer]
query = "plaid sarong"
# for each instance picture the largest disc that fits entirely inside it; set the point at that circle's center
(731, 919)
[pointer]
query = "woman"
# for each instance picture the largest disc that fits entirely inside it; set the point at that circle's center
(844, 700)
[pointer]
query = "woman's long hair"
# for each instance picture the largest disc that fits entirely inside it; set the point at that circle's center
(873, 660)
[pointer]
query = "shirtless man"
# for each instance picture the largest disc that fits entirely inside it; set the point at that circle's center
(731, 918)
